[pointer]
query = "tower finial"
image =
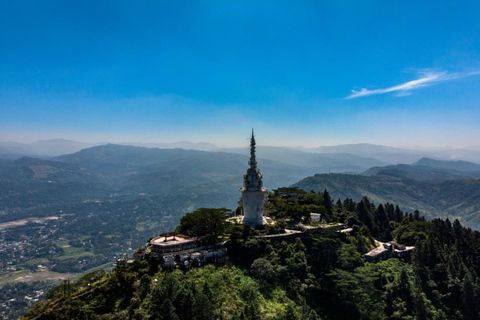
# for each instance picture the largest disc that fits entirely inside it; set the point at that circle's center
(253, 161)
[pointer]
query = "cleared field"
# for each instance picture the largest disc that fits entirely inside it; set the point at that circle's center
(33, 263)
(73, 252)
(27, 276)
(22, 222)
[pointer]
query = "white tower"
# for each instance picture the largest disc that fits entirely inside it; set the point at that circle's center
(254, 195)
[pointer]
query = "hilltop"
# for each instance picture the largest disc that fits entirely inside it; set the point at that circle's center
(72, 213)
(312, 275)
(75, 212)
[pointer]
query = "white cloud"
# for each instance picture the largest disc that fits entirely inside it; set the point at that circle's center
(427, 78)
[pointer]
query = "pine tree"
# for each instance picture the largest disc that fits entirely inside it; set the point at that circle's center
(364, 213)
(382, 222)
(327, 202)
(186, 310)
(167, 311)
(398, 214)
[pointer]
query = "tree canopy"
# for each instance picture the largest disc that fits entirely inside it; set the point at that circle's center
(204, 221)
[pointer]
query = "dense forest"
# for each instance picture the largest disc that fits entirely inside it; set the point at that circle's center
(318, 274)
(440, 198)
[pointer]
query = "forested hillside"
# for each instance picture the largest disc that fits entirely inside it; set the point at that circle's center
(456, 199)
(429, 170)
(61, 217)
(317, 275)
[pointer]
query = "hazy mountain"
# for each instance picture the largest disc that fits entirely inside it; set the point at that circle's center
(45, 148)
(420, 173)
(180, 179)
(474, 148)
(454, 154)
(56, 147)
(340, 158)
(201, 146)
(427, 169)
(382, 153)
(323, 163)
(11, 152)
(128, 164)
(185, 179)
(459, 165)
(454, 199)
(402, 155)
(360, 148)
(36, 183)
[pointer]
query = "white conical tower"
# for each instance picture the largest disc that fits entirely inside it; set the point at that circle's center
(254, 195)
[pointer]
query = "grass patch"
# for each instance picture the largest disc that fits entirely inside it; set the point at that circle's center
(73, 252)
(33, 262)
(27, 276)
(10, 277)
(63, 243)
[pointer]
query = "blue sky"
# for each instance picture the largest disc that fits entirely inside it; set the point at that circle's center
(305, 73)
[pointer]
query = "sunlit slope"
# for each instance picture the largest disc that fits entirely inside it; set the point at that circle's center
(454, 199)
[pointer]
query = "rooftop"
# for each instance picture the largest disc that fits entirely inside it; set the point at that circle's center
(375, 252)
(171, 238)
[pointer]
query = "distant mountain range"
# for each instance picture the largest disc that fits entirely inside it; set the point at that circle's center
(435, 188)
(427, 169)
(56, 147)
(332, 162)
(341, 156)
(181, 179)
(383, 153)
(41, 148)
(201, 146)
(458, 165)
(185, 179)
(402, 155)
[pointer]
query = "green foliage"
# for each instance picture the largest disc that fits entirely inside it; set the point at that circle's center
(262, 268)
(205, 222)
(316, 275)
(411, 232)
(199, 294)
(456, 198)
(297, 204)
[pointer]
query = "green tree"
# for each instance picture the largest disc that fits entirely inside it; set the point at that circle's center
(327, 202)
(383, 223)
(167, 311)
(204, 221)
(263, 269)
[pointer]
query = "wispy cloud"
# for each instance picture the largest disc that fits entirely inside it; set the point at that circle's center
(427, 78)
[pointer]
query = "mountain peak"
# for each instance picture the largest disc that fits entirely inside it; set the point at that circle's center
(459, 165)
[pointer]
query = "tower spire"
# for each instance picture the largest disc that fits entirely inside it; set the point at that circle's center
(252, 181)
(253, 161)
(254, 195)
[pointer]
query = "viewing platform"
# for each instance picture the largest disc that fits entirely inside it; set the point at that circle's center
(171, 242)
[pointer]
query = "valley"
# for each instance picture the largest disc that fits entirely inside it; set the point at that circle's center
(63, 216)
